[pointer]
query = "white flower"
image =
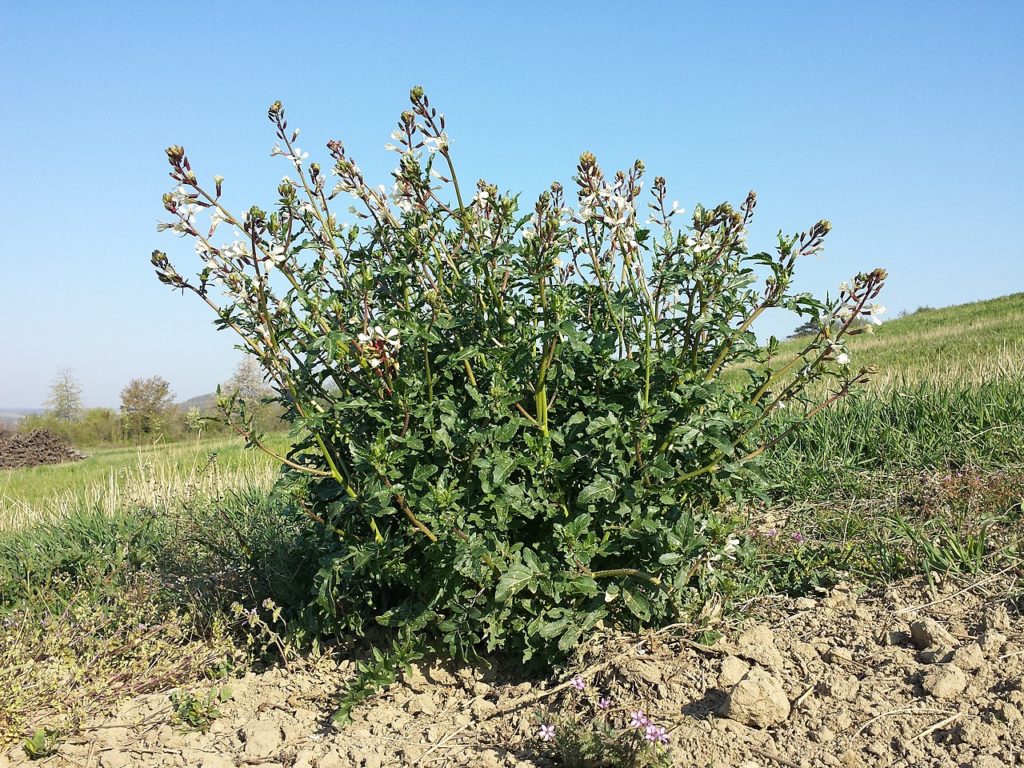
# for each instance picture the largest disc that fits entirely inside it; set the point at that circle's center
(277, 254)
(676, 210)
(873, 313)
(843, 359)
(217, 217)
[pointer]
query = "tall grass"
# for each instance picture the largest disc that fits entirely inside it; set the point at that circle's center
(155, 477)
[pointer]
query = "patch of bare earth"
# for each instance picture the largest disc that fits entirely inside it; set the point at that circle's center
(907, 676)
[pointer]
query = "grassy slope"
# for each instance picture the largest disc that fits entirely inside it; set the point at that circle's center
(949, 394)
(968, 343)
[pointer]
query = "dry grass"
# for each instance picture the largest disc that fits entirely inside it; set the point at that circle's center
(155, 477)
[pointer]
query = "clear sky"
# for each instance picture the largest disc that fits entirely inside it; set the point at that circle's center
(901, 122)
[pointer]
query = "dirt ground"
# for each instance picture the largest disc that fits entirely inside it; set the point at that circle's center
(906, 676)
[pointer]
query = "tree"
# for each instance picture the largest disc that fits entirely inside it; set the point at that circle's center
(65, 400)
(145, 406)
(808, 328)
(248, 384)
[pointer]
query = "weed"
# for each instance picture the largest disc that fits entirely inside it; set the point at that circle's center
(598, 735)
(42, 743)
(198, 713)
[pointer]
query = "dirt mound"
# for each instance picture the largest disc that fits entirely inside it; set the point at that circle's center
(909, 676)
(31, 449)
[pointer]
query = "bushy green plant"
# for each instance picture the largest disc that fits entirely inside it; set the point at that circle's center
(512, 425)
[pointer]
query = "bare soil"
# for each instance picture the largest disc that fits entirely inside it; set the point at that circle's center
(906, 676)
(31, 449)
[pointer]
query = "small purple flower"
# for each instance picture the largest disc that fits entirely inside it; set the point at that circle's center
(547, 732)
(656, 733)
(604, 702)
(578, 683)
(798, 537)
(770, 533)
(638, 719)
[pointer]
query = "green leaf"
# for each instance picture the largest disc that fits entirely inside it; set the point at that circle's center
(503, 466)
(636, 601)
(423, 472)
(600, 489)
(552, 629)
(512, 581)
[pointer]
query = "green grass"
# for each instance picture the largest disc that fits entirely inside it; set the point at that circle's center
(963, 344)
(151, 476)
(98, 606)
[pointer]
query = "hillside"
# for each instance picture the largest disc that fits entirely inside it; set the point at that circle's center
(976, 342)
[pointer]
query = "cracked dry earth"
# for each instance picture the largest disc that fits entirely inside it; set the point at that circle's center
(905, 676)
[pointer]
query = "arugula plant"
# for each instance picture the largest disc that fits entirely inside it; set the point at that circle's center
(513, 423)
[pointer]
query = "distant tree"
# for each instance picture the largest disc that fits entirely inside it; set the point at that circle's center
(807, 329)
(146, 405)
(248, 384)
(65, 400)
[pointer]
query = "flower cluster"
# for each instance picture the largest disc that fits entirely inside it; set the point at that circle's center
(604, 737)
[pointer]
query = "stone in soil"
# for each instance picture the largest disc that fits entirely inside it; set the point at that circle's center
(757, 700)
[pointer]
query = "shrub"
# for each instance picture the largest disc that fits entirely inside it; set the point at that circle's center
(513, 426)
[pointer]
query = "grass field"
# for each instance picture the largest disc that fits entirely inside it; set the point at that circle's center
(964, 344)
(150, 476)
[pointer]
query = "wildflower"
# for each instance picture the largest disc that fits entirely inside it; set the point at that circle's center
(604, 703)
(770, 533)
(278, 254)
(547, 732)
(873, 314)
(579, 683)
(731, 545)
(656, 733)
(798, 537)
(843, 359)
(217, 217)
(638, 719)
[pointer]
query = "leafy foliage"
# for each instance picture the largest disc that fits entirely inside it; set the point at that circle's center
(199, 712)
(512, 425)
(146, 405)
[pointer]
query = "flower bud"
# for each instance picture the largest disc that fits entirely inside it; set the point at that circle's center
(587, 160)
(275, 110)
(416, 93)
(175, 154)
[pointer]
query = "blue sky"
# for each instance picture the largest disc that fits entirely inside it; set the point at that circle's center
(899, 122)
